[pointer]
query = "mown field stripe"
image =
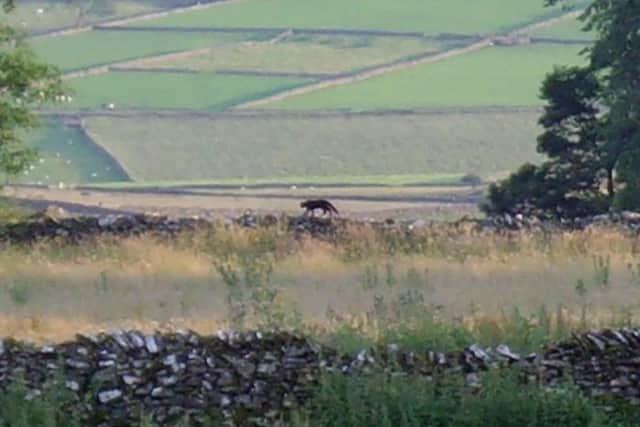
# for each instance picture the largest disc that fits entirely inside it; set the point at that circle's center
(337, 181)
(271, 114)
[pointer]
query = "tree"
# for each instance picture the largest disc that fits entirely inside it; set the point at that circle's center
(591, 125)
(25, 83)
(569, 182)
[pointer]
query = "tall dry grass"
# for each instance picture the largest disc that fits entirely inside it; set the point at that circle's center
(365, 280)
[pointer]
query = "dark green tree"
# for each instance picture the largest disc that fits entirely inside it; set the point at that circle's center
(25, 83)
(591, 126)
(569, 182)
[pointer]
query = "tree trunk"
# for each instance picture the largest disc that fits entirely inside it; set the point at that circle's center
(610, 184)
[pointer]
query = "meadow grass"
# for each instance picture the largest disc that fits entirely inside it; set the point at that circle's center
(367, 149)
(302, 54)
(440, 288)
(65, 155)
(137, 90)
(430, 17)
(105, 47)
(497, 76)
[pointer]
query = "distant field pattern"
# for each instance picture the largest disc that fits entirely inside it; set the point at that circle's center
(302, 54)
(138, 90)
(200, 149)
(428, 16)
(104, 47)
(497, 76)
(259, 57)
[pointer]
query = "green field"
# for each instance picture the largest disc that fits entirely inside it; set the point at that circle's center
(428, 16)
(105, 47)
(302, 54)
(569, 30)
(494, 76)
(203, 149)
(315, 147)
(62, 14)
(341, 180)
(140, 90)
(66, 155)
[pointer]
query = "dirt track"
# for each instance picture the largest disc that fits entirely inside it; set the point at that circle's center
(389, 202)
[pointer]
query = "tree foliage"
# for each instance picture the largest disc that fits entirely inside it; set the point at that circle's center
(591, 124)
(25, 83)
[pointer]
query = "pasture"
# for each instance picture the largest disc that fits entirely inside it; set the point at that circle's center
(568, 30)
(301, 54)
(105, 47)
(497, 76)
(428, 16)
(66, 155)
(282, 147)
(148, 90)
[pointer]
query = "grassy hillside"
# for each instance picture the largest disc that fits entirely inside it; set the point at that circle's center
(200, 149)
(429, 16)
(173, 90)
(302, 54)
(66, 155)
(104, 47)
(494, 76)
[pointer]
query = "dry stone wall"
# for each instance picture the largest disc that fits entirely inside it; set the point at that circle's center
(46, 226)
(255, 378)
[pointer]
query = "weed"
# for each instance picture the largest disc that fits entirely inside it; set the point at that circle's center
(602, 270)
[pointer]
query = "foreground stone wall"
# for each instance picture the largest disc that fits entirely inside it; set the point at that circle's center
(46, 226)
(254, 378)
